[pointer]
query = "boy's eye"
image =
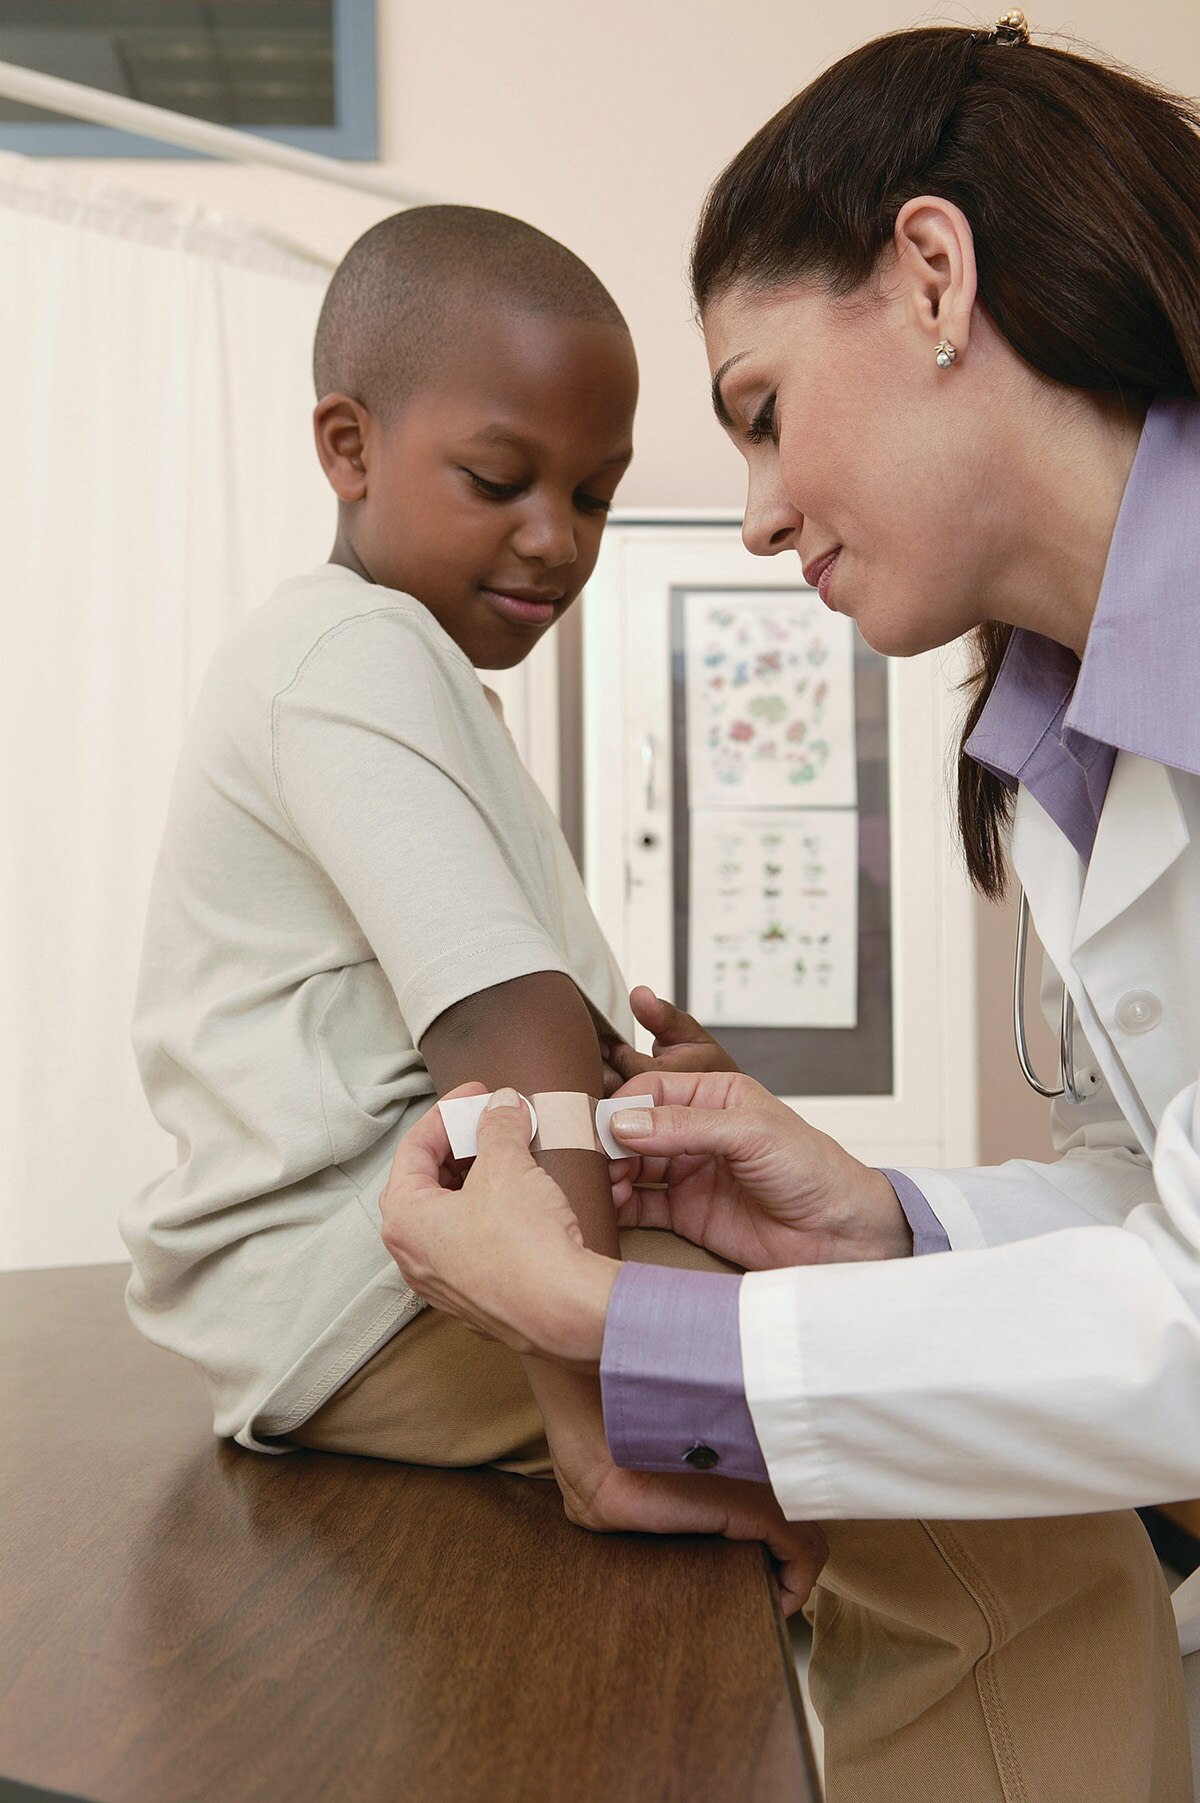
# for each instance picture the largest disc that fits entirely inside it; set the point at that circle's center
(508, 491)
(762, 426)
(498, 491)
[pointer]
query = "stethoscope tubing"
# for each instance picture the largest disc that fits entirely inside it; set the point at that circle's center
(1066, 1031)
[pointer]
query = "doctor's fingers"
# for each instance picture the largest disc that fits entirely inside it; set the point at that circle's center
(645, 1208)
(704, 1089)
(739, 1135)
(626, 1174)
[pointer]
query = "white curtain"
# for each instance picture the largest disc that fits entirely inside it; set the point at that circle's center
(157, 479)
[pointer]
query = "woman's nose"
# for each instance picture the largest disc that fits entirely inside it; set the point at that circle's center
(771, 523)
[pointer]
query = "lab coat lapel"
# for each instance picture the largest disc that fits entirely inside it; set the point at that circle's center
(1141, 833)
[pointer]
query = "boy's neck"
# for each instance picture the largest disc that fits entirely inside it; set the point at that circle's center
(343, 553)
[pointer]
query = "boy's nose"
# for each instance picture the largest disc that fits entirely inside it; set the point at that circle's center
(548, 538)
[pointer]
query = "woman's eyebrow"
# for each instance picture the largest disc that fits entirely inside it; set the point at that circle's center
(718, 399)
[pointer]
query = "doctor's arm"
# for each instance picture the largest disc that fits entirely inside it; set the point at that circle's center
(1056, 1372)
(1100, 1176)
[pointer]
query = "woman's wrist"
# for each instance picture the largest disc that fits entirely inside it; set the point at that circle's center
(893, 1236)
(573, 1333)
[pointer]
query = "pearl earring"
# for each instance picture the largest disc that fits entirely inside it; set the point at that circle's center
(945, 354)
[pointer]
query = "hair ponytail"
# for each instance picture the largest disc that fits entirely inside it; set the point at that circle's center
(1082, 186)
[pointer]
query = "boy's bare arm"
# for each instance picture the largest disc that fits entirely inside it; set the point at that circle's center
(532, 1034)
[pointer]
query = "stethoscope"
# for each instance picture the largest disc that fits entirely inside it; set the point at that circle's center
(1066, 1031)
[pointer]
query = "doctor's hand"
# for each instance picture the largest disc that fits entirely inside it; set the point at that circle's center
(500, 1249)
(721, 1161)
(680, 1043)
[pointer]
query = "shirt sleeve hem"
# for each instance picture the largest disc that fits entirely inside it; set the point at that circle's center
(948, 1206)
(461, 971)
(927, 1231)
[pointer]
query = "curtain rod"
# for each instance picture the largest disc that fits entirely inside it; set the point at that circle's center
(78, 101)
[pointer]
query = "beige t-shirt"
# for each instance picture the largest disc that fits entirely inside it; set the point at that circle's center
(352, 845)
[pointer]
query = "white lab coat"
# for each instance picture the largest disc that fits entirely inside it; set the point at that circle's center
(1051, 1364)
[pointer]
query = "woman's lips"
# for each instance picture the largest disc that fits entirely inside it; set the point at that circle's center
(819, 573)
(520, 609)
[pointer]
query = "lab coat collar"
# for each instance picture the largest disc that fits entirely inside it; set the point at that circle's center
(1135, 689)
(1142, 831)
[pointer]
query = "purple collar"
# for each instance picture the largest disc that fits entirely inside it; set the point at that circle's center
(1055, 724)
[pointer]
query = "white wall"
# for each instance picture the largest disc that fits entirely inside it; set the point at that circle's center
(603, 125)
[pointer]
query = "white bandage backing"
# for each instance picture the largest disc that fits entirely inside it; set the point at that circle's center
(461, 1119)
(559, 1120)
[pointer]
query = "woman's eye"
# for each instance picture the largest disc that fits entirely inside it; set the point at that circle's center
(497, 491)
(762, 426)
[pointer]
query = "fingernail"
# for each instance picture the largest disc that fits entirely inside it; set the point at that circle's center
(504, 1098)
(631, 1123)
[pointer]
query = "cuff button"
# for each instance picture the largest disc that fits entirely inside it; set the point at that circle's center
(701, 1458)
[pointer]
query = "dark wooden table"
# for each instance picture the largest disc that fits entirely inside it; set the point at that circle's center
(182, 1621)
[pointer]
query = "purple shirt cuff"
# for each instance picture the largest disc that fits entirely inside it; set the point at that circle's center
(928, 1233)
(671, 1374)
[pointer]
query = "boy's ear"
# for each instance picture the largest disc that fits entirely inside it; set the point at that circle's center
(340, 429)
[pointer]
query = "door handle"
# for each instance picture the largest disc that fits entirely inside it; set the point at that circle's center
(648, 772)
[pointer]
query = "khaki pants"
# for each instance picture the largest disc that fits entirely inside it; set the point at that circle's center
(437, 1394)
(953, 1662)
(998, 1662)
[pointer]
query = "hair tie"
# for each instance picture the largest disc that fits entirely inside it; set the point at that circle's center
(1011, 28)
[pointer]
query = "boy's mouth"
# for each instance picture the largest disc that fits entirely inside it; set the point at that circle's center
(522, 607)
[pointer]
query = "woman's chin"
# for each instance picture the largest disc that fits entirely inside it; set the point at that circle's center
(895, 633)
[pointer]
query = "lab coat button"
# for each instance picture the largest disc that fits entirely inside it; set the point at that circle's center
(1138, 1011)
(701, 1458)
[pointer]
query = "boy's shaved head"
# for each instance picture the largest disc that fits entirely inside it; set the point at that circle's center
(404, 295)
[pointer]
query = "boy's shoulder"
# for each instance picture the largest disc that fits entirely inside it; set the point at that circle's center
(331, 613)
(329, 649)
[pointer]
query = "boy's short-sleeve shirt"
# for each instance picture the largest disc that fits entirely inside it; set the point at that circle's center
(352, 846)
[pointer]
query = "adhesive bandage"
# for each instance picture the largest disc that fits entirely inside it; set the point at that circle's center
(560, 1120)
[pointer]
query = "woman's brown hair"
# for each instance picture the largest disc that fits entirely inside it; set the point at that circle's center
(1081, 183)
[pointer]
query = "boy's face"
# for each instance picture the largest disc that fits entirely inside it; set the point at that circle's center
(485, 495)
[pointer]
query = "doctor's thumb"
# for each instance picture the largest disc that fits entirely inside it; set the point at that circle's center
(672, 1132)
(506, 1126)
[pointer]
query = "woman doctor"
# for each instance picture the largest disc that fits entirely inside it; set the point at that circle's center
(951, 300)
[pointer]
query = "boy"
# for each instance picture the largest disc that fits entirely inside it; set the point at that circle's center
(362, 899)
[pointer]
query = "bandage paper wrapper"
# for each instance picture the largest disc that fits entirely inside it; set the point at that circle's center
(559, 1120)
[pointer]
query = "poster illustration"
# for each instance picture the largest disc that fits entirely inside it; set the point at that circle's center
(773, 900)
(770, 700)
